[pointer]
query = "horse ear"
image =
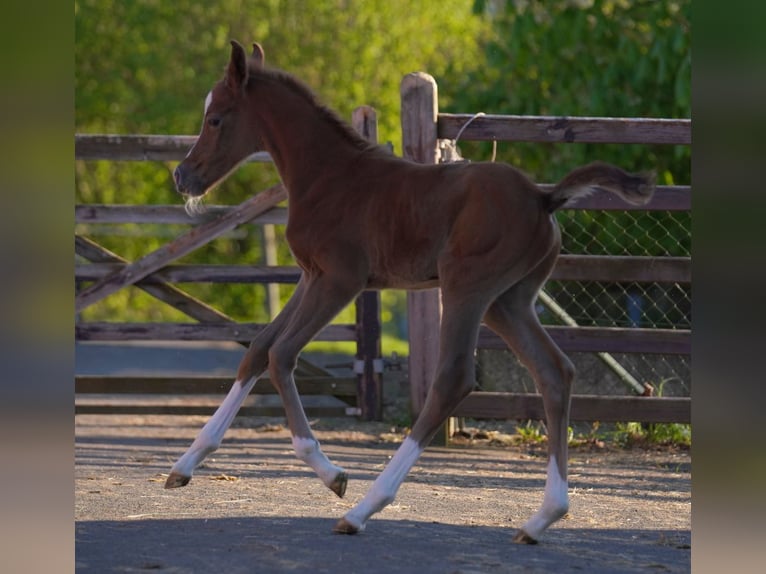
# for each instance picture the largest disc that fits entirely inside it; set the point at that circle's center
(258, 56)
(236, 72)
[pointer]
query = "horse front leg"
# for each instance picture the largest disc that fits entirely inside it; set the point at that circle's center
(209, 438)
(252, 366)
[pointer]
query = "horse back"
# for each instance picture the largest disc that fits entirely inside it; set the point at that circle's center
(406, 219)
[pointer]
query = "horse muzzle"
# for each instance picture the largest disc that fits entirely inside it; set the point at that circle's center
(187, 184)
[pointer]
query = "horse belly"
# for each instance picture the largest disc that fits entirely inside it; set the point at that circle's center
(404, 268)
(408, 283)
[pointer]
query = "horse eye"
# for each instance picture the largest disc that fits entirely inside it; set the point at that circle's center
(214, 122)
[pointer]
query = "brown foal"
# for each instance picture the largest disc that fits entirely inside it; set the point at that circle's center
(360, 218)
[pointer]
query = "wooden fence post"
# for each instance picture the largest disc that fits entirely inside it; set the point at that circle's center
(369, 360)
(419, 99)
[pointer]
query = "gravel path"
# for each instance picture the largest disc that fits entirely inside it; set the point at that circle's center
(253, 507)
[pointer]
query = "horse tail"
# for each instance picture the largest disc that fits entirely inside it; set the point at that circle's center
(633, 188)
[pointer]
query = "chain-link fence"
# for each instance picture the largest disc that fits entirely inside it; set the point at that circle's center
(600, 304)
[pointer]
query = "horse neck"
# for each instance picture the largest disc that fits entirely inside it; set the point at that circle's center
(301, 139)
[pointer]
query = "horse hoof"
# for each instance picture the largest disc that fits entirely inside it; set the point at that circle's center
(176, 480)
(523, 538)
(343, 526)
(338, 485)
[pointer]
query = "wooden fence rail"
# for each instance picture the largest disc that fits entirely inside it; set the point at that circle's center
(569, 267)
(140, 148)
(422, 127)
(551, 129)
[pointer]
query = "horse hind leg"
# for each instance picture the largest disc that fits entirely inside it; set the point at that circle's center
(455, 378)
(513, 318)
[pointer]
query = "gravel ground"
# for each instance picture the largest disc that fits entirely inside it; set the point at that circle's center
(253, 507)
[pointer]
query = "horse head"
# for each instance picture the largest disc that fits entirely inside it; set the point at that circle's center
(227, 138)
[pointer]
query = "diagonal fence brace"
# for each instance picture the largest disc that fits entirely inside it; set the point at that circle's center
(180, 246)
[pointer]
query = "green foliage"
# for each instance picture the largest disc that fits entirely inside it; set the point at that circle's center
(587, 58)
(145, 66)
(613, 58)
(664, 434)
(531, 432)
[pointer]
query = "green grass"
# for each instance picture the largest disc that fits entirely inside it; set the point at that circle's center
(625, 435)
(660, 434)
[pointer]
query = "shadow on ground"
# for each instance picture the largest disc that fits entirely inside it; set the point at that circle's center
(299, 544)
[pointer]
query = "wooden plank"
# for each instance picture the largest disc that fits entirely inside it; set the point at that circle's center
(132, 147)
(364, 119)
(102, 331)
(606, 268)
(420, 106)
(197, 273)
(600, 408)
(180, 385)
(369, 356)
(609, 268)
(419, 111)
(166, 214)
(667, 198)
(117, 147)
(563, 129)
(368, 344)
(606, 339)
(169, 294)
(207, 410)
(180, 247)
(178, 299)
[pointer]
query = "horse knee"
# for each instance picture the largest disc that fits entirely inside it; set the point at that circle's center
(254, 362)
(567, 372)
(454, 381)
(555, 383)
(458, 370)
(559, 376)
(281, 362)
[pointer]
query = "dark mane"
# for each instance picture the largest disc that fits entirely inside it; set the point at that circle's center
(297, 86)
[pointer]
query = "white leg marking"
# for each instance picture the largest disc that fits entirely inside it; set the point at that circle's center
(209, 438)
(384, 489)
(555, 502)
(308, 450)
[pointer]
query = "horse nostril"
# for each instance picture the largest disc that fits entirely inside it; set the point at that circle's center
(177, 177)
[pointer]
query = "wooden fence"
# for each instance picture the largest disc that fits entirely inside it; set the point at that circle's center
(422, 128)
(154, 273)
